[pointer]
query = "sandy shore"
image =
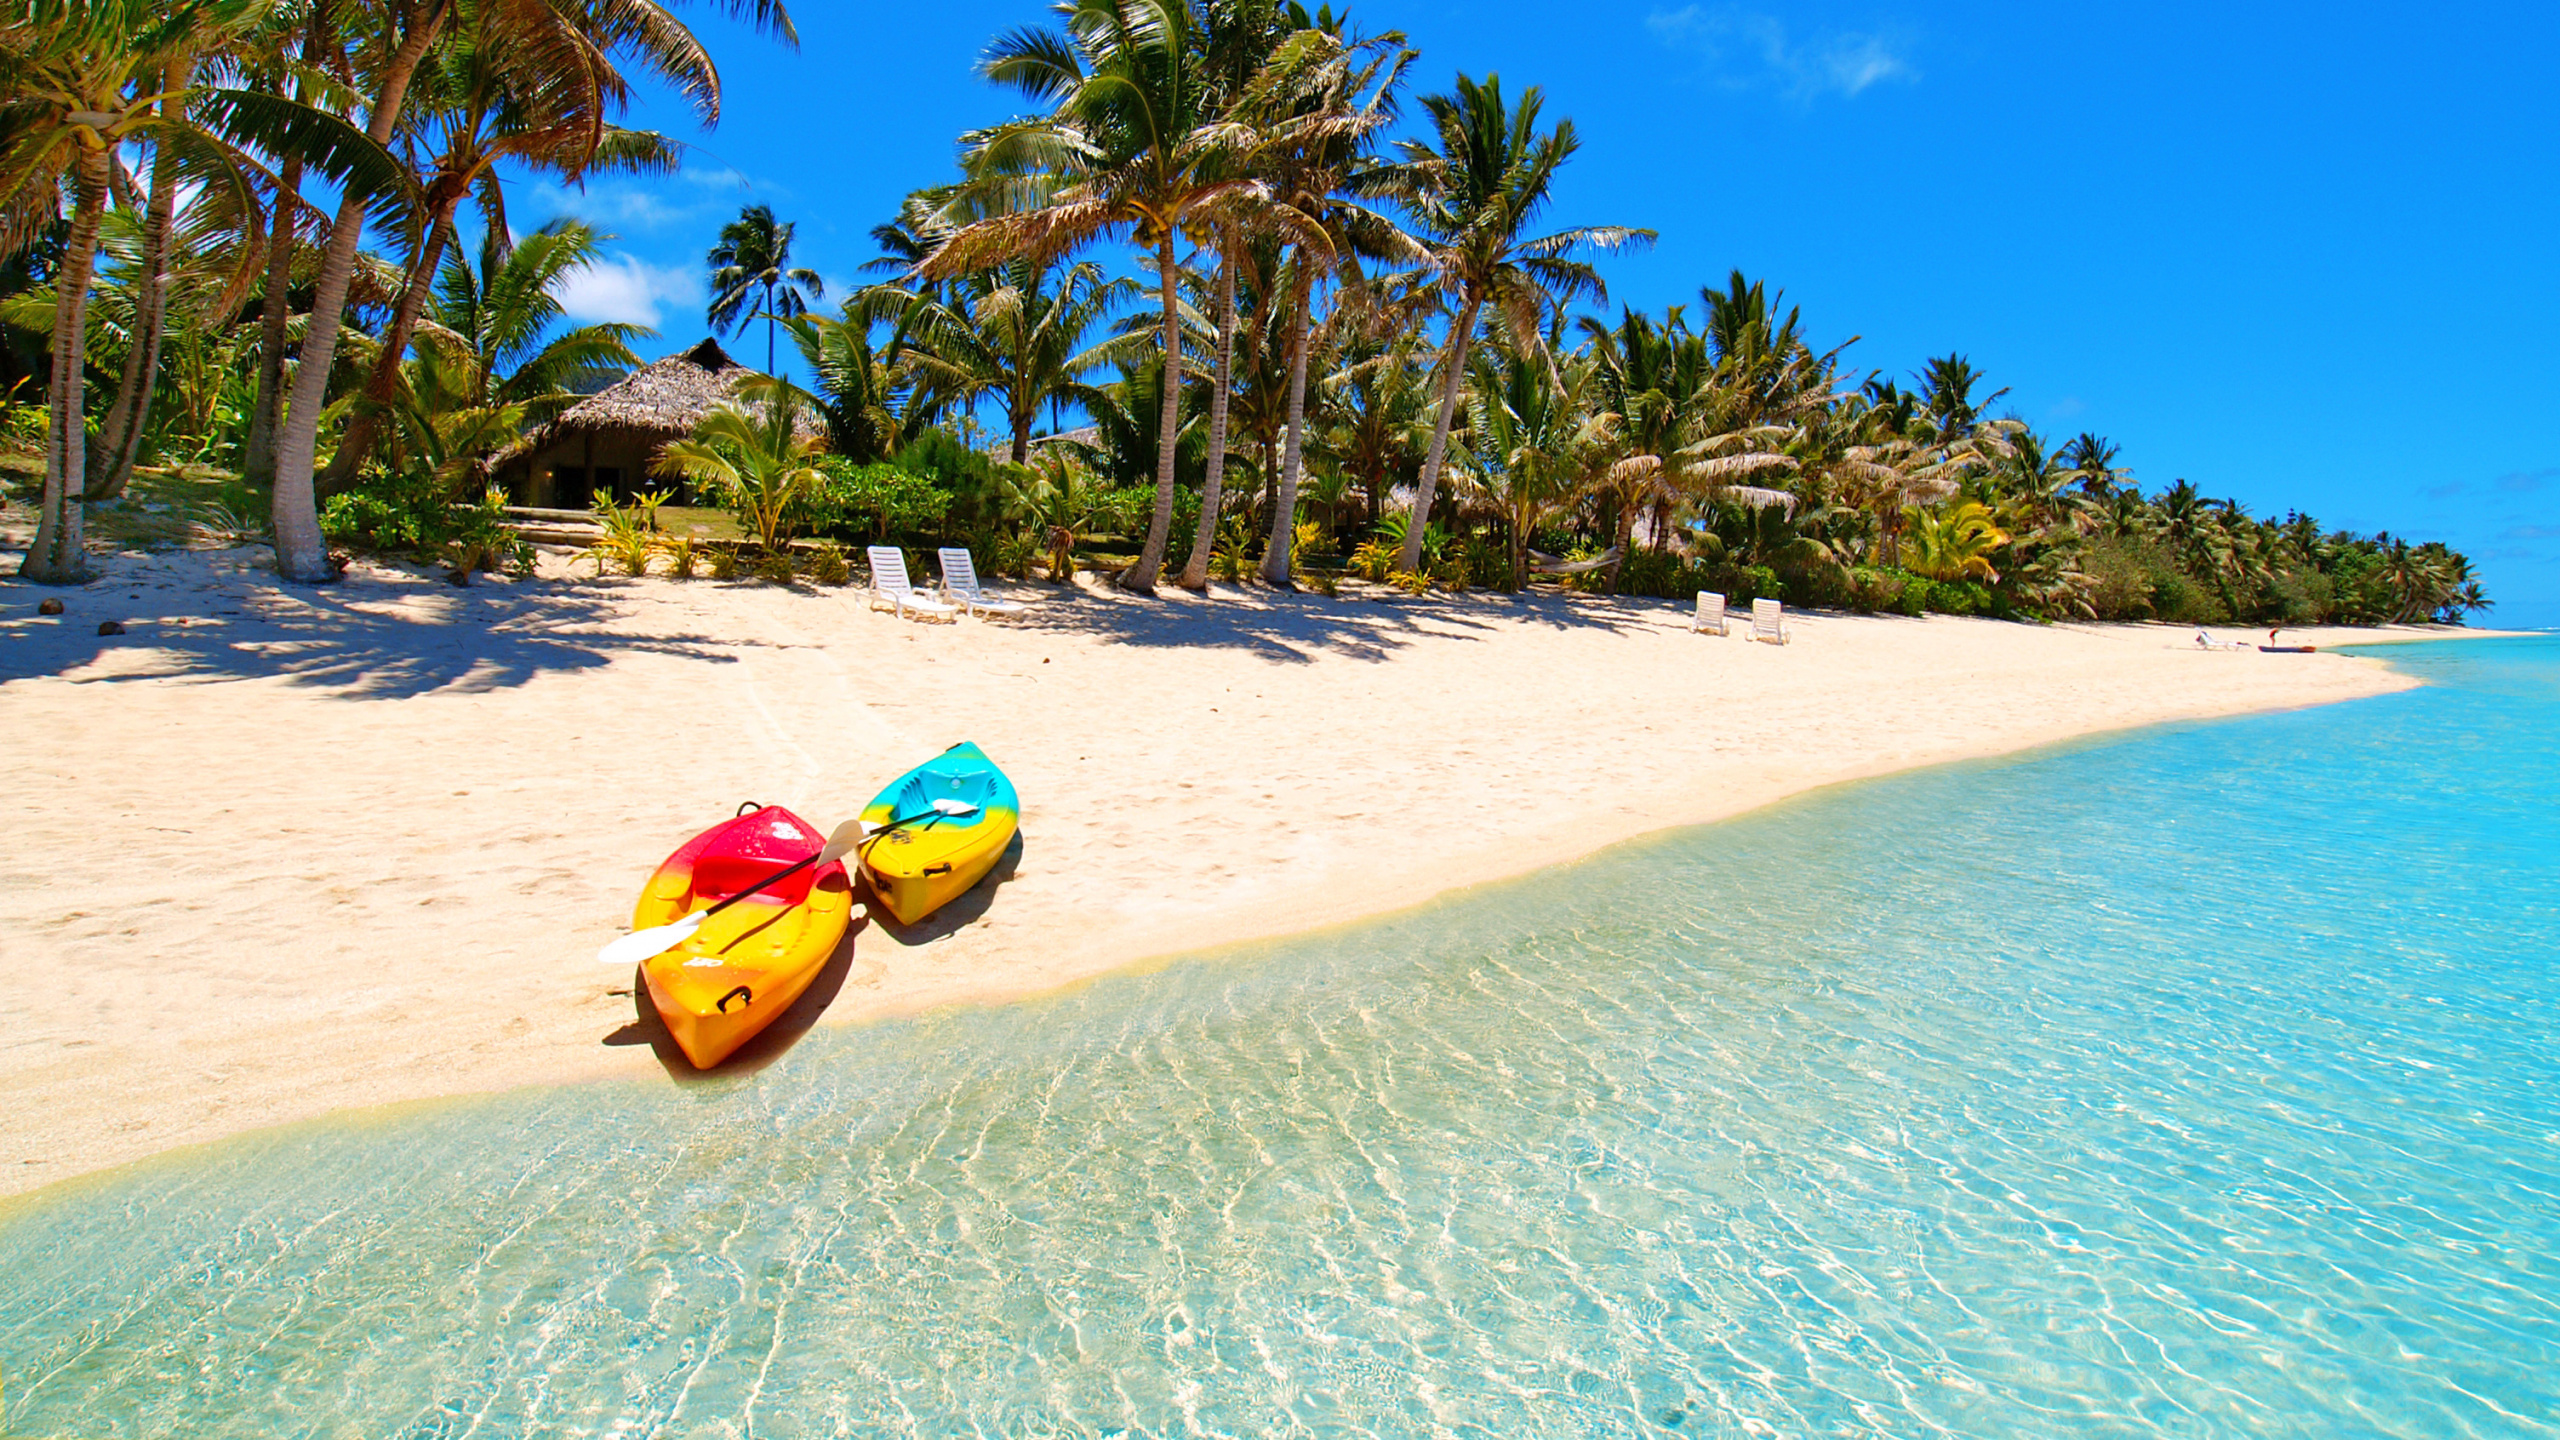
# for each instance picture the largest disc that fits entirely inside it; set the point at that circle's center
(276, 852)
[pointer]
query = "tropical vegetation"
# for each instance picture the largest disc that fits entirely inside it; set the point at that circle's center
(1233, 298)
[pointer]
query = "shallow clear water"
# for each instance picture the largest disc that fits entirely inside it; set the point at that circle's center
(2204, 1082)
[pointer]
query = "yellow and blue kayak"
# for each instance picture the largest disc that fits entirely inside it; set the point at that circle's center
(923, 865)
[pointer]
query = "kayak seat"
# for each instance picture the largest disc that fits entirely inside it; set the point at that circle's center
(920, 791)
(717, 877)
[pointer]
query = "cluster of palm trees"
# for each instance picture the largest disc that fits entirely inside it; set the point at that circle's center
(229, 158)
(1352, 324)
(1374, 341)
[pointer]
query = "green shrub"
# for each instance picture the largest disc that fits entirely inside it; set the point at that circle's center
(2121, 581)
(2181, 601)
(1962, 597)
(1871, 590)
(414, 517)
(871, 502)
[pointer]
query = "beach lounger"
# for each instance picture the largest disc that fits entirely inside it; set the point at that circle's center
(1710, 614)
(1769, 621)
(889, 583)
(2205, 641)
(960, 584)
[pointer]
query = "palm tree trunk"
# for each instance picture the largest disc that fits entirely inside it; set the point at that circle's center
(1195, 572)
(302, 553)
(120, 436)
(373, 410)
(1465, 330)
(59, 554)
(1626, 539)
(768, 325)
(1276, 555)
(1142, 576)
(258, 453)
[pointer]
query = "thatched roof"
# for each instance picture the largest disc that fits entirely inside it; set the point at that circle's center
(667, 396)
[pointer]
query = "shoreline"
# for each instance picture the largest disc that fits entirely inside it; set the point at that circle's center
(294, 852)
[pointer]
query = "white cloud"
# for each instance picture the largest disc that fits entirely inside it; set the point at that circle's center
(628, 290)
(1748, 50)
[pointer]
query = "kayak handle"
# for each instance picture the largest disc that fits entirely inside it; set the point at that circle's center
(745, 806)
(937, 869)
(742, 992)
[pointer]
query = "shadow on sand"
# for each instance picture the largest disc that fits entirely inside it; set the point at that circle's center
(1295, 627)
(389, 635)
(959, 913)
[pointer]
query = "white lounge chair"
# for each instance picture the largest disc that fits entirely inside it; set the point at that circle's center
(1769, 621)
(889, 583)
(960, 583)
(1710, 614)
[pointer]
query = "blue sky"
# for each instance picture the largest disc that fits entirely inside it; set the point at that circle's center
(2303, 256)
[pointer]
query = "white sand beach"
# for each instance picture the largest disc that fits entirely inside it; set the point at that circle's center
(277, 852)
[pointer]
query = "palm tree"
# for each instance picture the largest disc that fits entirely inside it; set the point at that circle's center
(1014, 332)
(870, 409)
(492, 332)
(1131, 147)
(1336, 93)
(1374, 415)
(1473, 191)
(1537, 444)
(762, 459)
(1955, 543)
(754, 253)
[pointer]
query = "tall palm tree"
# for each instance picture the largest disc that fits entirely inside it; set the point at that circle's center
(1131, 147)
(1473, 191)
(1329, 95)
(754, 253)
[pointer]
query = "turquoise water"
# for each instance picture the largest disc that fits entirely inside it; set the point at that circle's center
(2204, 1082)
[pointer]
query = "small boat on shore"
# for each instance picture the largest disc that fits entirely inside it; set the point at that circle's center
(920, 859)
(746, 964)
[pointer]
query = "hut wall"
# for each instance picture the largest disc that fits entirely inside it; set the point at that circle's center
(572, 469)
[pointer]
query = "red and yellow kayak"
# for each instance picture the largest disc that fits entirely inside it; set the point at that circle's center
(747, 964)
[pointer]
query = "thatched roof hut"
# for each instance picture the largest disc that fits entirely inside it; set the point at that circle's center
(606, 443)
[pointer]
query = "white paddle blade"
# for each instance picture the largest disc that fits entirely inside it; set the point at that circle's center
(639, 945)
(842, 840)
(955, 807)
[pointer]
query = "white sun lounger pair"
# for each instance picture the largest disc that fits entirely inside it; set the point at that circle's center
(889, 584)
(1768, 618)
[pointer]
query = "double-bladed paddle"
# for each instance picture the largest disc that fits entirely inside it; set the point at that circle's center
(639, 945)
